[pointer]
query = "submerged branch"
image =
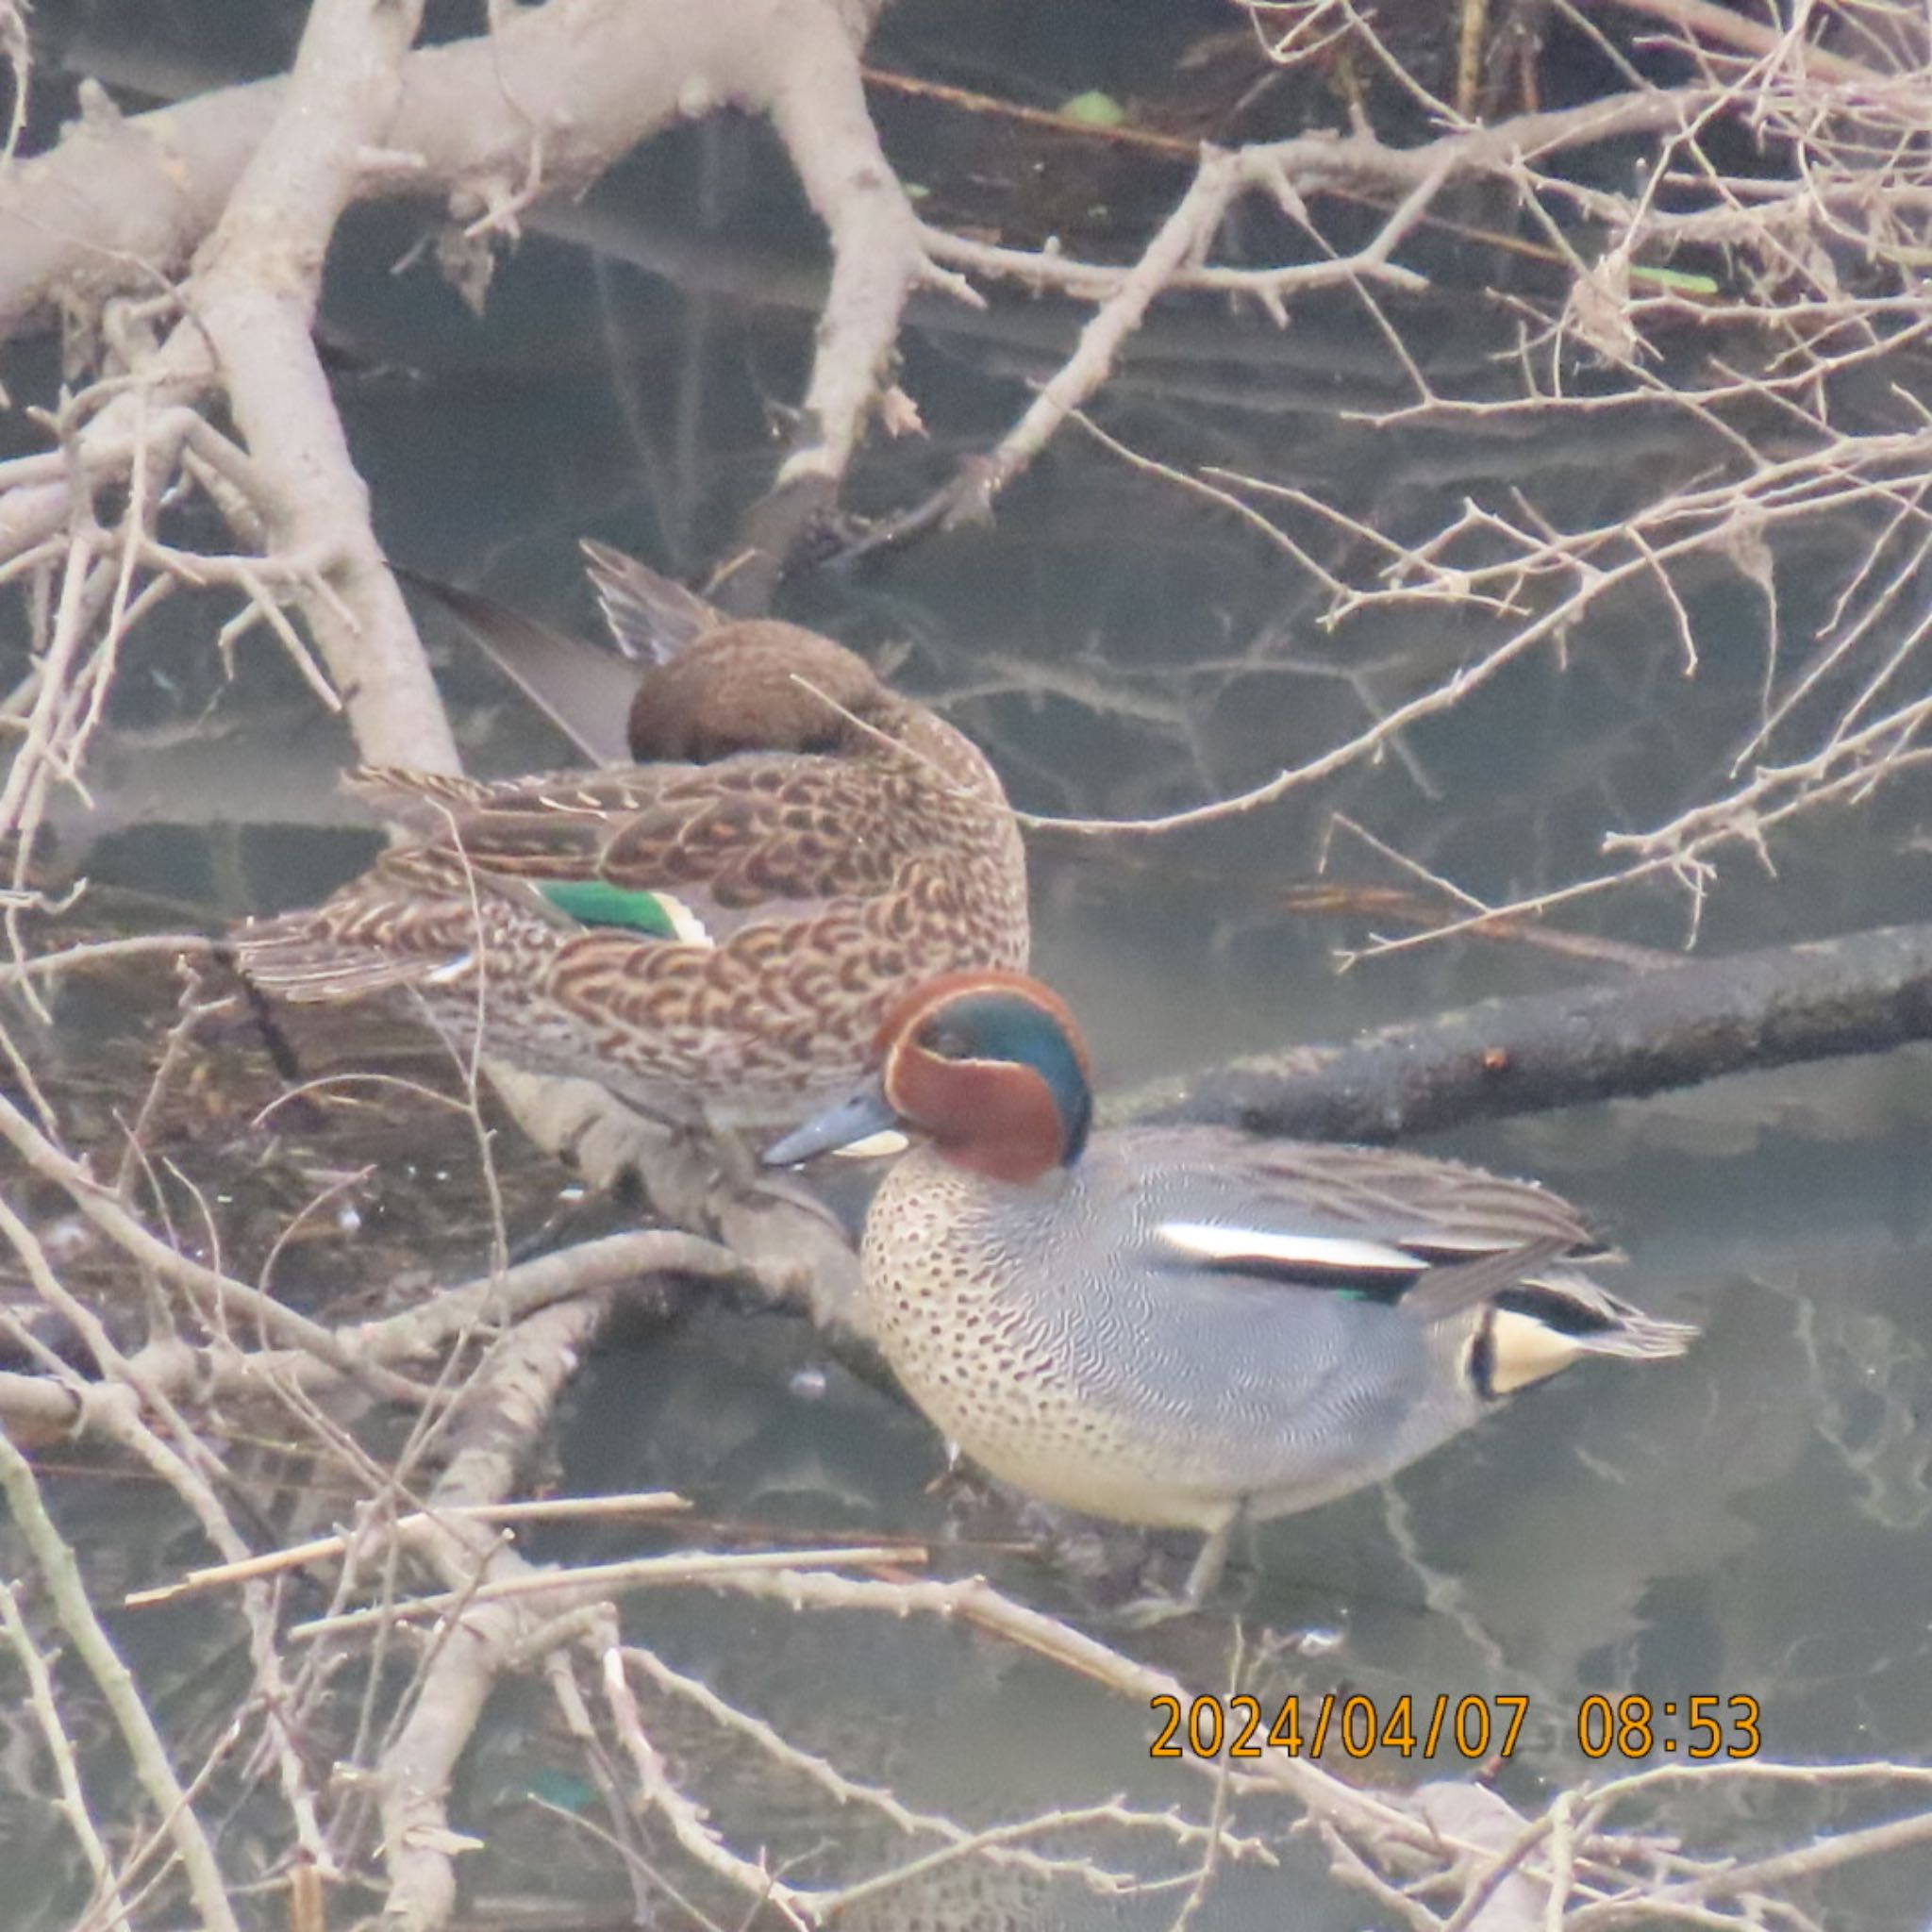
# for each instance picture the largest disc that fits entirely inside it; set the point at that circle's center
(1863, 992)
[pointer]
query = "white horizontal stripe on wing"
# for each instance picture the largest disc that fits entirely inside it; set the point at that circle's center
(1200, 1241)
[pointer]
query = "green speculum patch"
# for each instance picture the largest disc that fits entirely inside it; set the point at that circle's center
(652, 915)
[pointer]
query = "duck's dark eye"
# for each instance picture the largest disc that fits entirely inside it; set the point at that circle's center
(947, 1041)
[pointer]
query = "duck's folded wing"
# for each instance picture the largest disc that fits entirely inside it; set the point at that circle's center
(613, 857)
(1433, 1239)
(1439, 1209)
(748, 830)
(1351, 1215)
(1432, 1290)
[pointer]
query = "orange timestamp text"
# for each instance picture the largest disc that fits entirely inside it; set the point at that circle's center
(1635, 1726)
(1354, 1724)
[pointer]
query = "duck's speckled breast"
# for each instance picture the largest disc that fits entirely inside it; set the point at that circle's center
(1046, 1331)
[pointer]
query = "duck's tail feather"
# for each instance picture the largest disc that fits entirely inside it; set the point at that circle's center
(584, 689)
(652, 617)
(1540, 1328)
(297, 957)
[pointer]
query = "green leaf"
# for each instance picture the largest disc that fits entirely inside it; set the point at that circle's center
(1674, 278)
(1094, 109)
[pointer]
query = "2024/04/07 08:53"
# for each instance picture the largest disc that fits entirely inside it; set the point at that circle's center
(1631, 1726)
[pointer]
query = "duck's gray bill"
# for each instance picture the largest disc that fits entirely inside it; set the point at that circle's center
(857, 1119)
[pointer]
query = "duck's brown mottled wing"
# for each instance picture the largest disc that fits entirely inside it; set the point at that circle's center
(748, 831)
(805, 971)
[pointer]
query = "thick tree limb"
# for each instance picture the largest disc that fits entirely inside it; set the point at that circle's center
(503, 1416)
(184, 1370)
(557, 94)
(779, 1239)
(146, 1747)
(1864, 992)
(878, 258)
(248, 310)
(253, 298)
(544, 103)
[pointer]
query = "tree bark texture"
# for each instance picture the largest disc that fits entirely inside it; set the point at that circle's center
(1863, 992)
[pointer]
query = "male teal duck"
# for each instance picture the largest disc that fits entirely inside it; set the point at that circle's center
(714, 932)
(1187, 1327)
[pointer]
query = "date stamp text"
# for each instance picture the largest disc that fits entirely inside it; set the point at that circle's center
(1351, 1724)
